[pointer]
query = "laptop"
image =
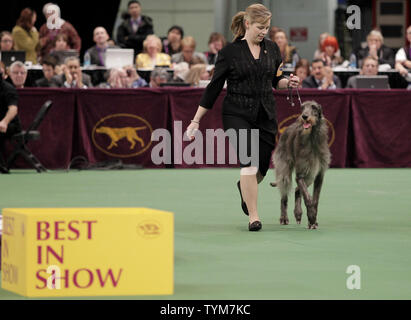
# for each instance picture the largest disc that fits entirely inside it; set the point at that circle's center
(8, 57)
(372, 82)
(118, 58)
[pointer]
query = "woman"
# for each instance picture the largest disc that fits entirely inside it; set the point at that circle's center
(152, 55)
(329, 48)
(376, 48)
(25, 35)
(403, 56)
(188, 53)
(6, 41)
(251, 66)
(172, 43)
(288, 53)
(215, 43)
(302, 70)
(198, 75)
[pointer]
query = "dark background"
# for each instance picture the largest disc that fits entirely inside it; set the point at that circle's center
(83, 15)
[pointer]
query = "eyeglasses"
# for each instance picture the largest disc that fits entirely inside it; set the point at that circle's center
(22, 73)
(6, 40)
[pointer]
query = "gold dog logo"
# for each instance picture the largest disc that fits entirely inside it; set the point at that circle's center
(130, 139)
(149, 229)
(288, 121)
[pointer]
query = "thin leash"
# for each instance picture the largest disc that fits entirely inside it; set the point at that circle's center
(290, 97)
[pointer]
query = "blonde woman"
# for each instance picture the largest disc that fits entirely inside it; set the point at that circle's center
(197, 74)
(152, 56)
(251, 65)
(376, 49)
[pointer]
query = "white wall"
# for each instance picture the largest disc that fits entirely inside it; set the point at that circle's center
(316, 15)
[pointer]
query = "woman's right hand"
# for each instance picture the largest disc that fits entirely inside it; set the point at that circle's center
(191, 130)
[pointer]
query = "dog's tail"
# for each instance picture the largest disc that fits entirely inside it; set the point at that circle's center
(283, 174)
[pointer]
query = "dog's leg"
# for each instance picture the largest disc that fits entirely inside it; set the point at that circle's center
(318, 182)
(298, 211)
(308, 203)
(284, 216)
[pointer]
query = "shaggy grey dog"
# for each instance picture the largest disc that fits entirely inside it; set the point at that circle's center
(303, 147)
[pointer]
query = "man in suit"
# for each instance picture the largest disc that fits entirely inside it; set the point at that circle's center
(72, 76)
(134, 29)
(321, 77)
(97, 53)
(48, 65)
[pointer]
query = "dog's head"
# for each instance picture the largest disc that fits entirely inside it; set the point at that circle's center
(311, 115)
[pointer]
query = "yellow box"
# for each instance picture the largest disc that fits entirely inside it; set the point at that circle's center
(57, 252)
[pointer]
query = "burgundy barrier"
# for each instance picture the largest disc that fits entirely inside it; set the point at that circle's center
(368, 128)
(54, 149)
(381, 128)
(118, 124)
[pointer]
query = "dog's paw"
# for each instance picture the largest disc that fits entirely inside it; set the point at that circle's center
(313, 226)
(298, 221)
(284, 221)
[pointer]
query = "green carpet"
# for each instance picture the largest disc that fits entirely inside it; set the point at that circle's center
(364, 219)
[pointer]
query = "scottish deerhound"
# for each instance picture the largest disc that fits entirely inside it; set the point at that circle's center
(303, 147)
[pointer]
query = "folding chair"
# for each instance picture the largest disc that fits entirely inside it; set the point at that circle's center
(21, 139)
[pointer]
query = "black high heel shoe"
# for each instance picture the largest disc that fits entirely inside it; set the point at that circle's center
(243, 204)
(255, 226)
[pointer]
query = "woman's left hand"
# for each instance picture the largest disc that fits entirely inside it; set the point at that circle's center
(293, 81)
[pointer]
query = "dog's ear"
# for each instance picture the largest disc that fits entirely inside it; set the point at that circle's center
(320, 110)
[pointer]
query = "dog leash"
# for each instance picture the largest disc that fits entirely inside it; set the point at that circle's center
(290, 97)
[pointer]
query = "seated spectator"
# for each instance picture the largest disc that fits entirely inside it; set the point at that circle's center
(157, 77)
(9, 120)
(152, 56)
(215, 43)
(117, 79)
(172, 43)
(25, 35)
(133, 79)
(321, 77)
(60, 49)
(97, 53)
(302, 70)
(72, 77)
(369, 68)
(329, 48)
(376, 48)
(3, 73)
(198, 76)
(403, 56)
(18, 74)
(49, 65)
(180, 72)
(47, 35)
(288, 53)
(318, 51)
(188, 53)
(135, 28)
(6, 41)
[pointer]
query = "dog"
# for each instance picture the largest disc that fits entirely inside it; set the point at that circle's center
(117, 134)
(303, 148)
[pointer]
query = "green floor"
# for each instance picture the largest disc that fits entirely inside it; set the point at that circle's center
(364, 220)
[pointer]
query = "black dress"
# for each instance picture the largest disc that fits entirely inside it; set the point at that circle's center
(249, 103)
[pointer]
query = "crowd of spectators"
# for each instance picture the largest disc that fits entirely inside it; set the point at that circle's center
(57, 51)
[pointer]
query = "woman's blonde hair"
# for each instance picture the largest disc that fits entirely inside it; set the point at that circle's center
(376, 33)
(193, 76)
(188, 42)
(154, 38)
(254, 13)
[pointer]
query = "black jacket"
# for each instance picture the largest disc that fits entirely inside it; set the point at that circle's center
(8, 97)
(126, 38)
(249, 82)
